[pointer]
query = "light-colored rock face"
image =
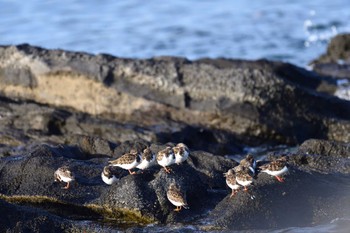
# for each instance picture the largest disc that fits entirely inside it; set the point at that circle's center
(78, 92)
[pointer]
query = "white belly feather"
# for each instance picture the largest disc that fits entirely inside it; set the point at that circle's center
(66, 179)
(166, 161)
(107, 180)
(244, 183)
(232, 186)
(180, 159)
(276, 173)
(128, 166)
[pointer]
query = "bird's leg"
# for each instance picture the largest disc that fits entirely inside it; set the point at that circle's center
(280, 179)
(167, 170)
(233, 193)
(178, 208)
(131, 173)
(67, 186)
(57, 178)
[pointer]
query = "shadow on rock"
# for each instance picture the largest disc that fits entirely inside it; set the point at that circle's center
(303, 199)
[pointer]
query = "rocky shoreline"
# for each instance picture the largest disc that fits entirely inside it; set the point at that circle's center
(59, 107)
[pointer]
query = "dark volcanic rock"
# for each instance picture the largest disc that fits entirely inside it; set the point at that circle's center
(25, 123)
(338, 48)
(325, 148)
(32, 174)
(312, 195)
(211, 168)
(30, 219)
(314, 192)
(147, 194)
(95, 145)
(69, 108)
(323, 156)
(303, 199)
(139, 198)
(336, 61)
(23, 219)
(249, 101)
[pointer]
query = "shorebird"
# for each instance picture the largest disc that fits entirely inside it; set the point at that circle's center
(176, 197)
(147, 159)
(127, 161)
(276, 168)
(244, 176)
(64, 174)
(181, 152)
(107, 176)
(231, 181)
(165, 158)
(249, 162)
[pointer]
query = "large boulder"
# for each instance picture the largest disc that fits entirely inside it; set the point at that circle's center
(28, 179)
(303, 199)
(23, 219)
(252, 101)
(337, 50)
(328, 157)
(69, 108)
(314, 192)
(335, 63)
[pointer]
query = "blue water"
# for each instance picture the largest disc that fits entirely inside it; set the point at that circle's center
(296, 31)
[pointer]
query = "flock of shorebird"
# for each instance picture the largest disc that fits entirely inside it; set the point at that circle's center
(237, 177)
(244, 174)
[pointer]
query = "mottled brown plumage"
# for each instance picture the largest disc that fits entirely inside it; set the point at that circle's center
(147, 159)
(147, 154)
(64, 174)
(127, 161)
(276, 168)
(181, 152)
(176, 197)
(244, 176)
(165, 158)
(231, 181)
(249, 162)
(107, 176)
(107, 172)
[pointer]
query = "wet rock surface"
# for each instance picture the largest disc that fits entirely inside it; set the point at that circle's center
(68, 108)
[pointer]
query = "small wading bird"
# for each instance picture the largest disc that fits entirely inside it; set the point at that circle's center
(165, 158)
(181, 152)
(176, 197)
(65, 175)
(249, 162)
(244, 176)
(127, 161)
(107, 176)
(147, 159)
(276, 168)
(231, 181)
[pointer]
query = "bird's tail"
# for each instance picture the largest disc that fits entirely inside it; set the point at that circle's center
(111, 162)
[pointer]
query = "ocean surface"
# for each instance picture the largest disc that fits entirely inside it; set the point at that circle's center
(294, 31)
